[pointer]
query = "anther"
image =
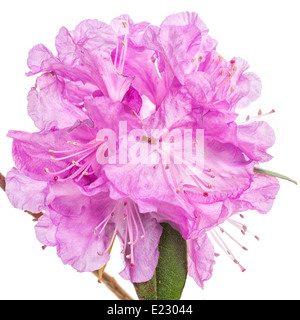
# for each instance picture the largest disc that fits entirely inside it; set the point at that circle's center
(46, 170)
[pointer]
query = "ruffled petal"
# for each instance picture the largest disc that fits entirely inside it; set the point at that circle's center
(25, 193)
(46, 228)
(226, 174)
(200, 259)
(255, 139)
(78, 243)
(47, 106)
(67, 199)
(259, 197)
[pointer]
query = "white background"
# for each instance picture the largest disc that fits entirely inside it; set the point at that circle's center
(266, 34)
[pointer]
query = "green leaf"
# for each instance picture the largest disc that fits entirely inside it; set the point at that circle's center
(171, 272)
(273, 174)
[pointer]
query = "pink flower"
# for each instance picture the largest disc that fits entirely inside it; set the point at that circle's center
(163, 83)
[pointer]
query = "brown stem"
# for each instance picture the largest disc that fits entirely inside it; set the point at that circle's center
(112, 285)
(109, 281)
(2, 182)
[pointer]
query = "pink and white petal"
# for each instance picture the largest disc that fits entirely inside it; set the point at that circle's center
(46, 228)
(227, 174)
(67, 199)
(77, 242)
(47, 107)
(200, 259)
(185, 18)
(254, 139)
(25, 193)
(39, 59)
(145, 252)
(260, 196)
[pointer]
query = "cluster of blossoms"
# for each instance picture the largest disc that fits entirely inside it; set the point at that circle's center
(154, 79)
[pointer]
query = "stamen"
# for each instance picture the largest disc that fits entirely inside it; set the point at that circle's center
(243, 228)
(130, 231)
(140, 221)
(225, 248)
(124, 51)
(75, 154)
(252, 118)
(233, 239)
(88, 153)
(113, 236)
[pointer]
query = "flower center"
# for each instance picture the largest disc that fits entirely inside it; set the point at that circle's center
(182, 173)
(79, 163)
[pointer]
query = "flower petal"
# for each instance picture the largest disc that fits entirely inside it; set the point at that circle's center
(47, 106)
(255, 139)
(200, 259)
(46, 229)
(25, 193)
(77, 242)
(146, 252)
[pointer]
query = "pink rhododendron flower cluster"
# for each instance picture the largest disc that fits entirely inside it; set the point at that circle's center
(154, 79)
